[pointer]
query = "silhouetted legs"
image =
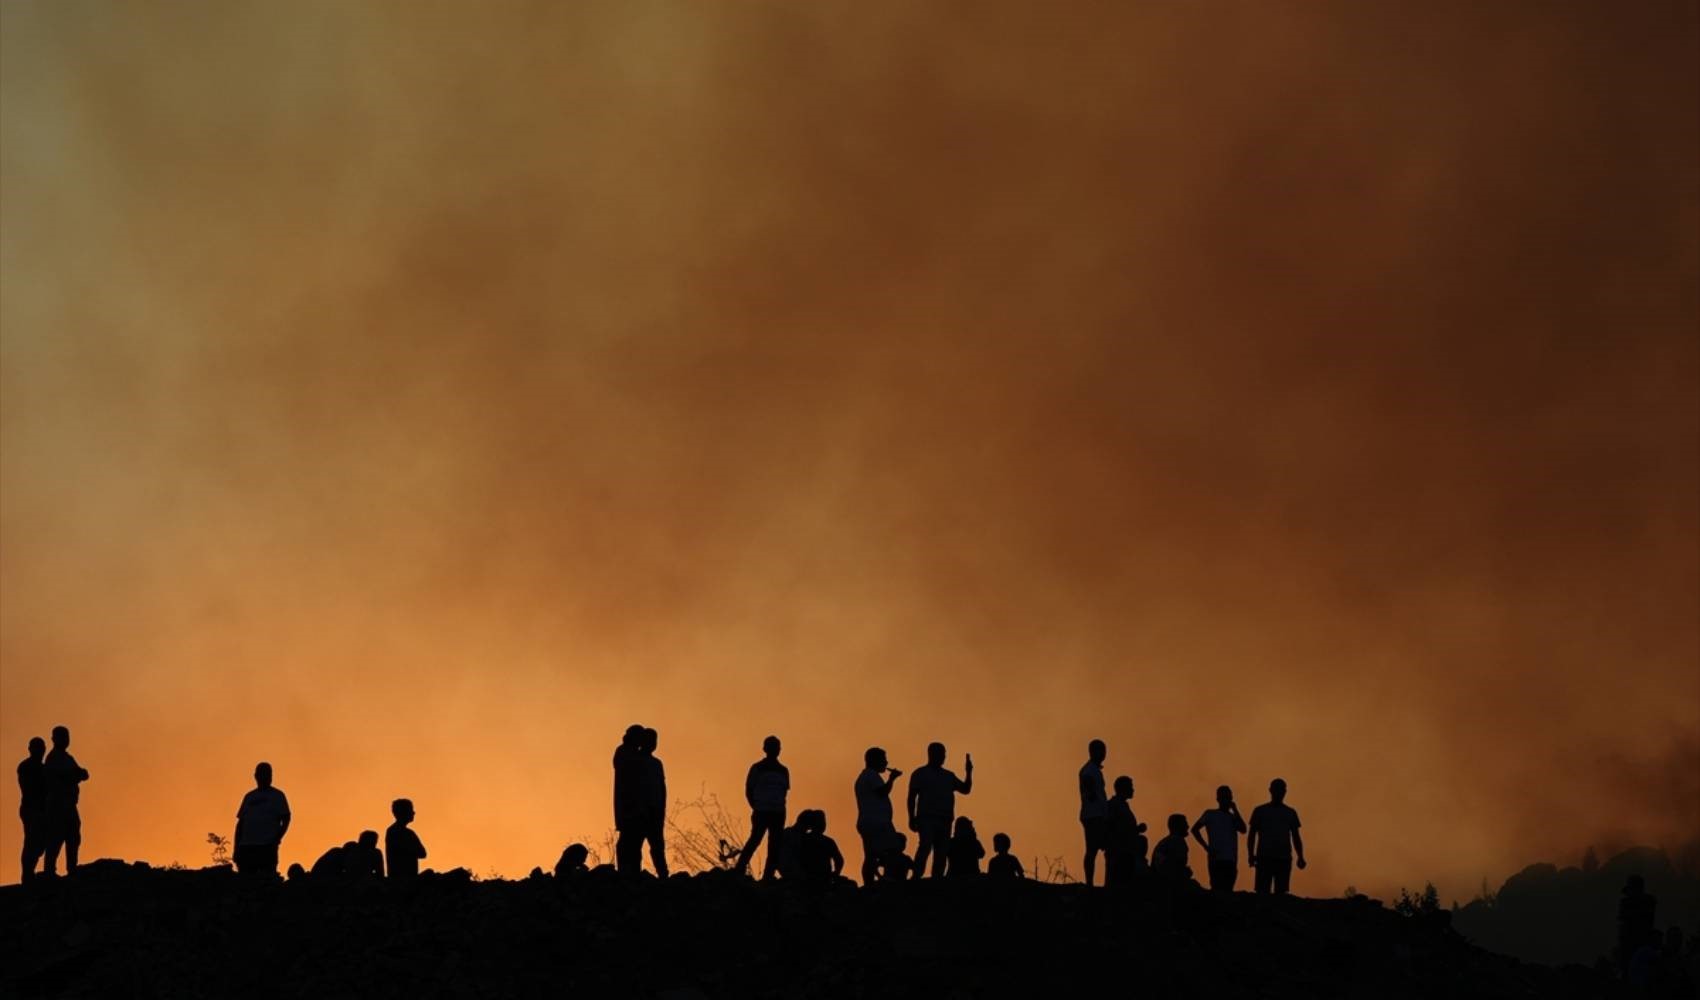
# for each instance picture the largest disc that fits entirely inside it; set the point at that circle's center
(764, 822)
(1276, 872)
(934, 837)
(35, 843)
(1223, 875)
(873, 846)
(63, 831)
(256, 860)
(628, 851)
(1094, 828)
(657, 849)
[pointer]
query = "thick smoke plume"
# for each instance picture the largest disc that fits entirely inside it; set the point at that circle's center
(415, 395)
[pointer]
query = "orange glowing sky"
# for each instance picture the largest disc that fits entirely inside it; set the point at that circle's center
(414, 395)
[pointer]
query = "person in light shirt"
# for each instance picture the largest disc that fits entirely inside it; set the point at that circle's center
(1222, 827)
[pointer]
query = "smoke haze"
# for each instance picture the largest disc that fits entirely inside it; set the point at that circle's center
(414, 395)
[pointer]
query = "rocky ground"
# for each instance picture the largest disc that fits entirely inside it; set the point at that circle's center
(117, 930)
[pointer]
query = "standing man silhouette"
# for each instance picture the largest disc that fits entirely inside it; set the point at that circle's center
(62, 774)
(1274, 840)
(261, 822)
(765, 788)
(655, 802)
(32, 806)
(629, 802)
(932, 807)
(873, 812)
(1223, 827)
(1093, 801)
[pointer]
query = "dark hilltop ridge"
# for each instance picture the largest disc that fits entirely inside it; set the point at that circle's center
(128, 930)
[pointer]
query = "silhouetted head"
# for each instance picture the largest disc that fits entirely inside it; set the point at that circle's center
(351, 845)
(1096, 751)
(935, 754)
(1124, 787)
(1277, 790)
(575, 856)
(1224, 795)
(814, 820)
(874, 758)
(263, 774)
(634, 735)
(1177, 824)
(650, 739)
(38, 746)
(368, 838)
(402, 810)
(770, 746)
(61, 737)
(1000, 843)
(964, 826)
(1634, 885)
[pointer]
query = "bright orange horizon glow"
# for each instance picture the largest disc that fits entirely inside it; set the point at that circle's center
(413, 396)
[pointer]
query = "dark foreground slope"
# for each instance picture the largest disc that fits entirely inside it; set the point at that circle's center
(117, 931)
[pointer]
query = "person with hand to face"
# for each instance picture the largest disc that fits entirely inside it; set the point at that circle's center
(880, 838)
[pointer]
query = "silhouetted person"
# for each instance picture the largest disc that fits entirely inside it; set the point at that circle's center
(403, 850)
(1004, 864)
(1093, 802)
(631, 806)
(932, 807)
(364, 859)
(32, 806)
(574, 861)
(1221, 842)
(334, 862)
(1273, 841)
(817, 857)
(965, 850)
(61, 775)
(1635, 912)
(765, 789)
(1169, 857)
(1124, 838)
(261, 822)
(655, 799)
(895, 865)
(825, 855)
(873, 813)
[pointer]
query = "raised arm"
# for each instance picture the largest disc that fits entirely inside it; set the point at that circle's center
(1197, 827)
(966, 785)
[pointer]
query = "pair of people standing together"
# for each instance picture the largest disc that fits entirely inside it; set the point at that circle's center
(640, 802)
(930, 804)
(47, 803)
(1273, 838)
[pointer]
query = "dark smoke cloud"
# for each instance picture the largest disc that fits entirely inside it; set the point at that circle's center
(1302, 387)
